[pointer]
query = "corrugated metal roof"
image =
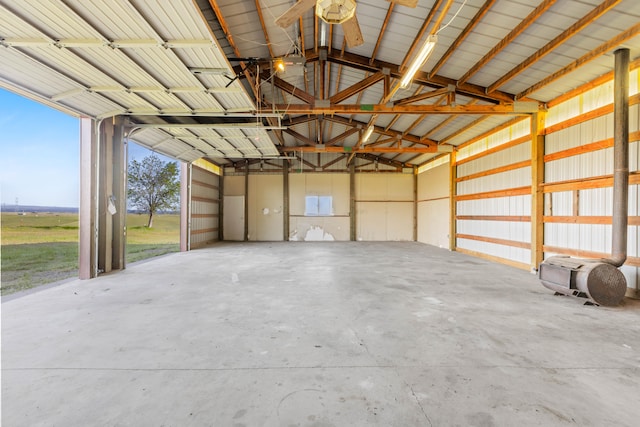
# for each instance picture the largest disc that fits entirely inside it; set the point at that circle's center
(98, 58)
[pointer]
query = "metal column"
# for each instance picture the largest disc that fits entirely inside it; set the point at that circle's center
(119, 192)
(285, 199)
(352, 202)
(88, 199)
(185, 206)
(111, 195)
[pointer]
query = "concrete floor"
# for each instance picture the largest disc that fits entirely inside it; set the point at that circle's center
(317, 334)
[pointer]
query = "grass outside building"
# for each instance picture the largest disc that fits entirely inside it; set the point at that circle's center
(40, 248)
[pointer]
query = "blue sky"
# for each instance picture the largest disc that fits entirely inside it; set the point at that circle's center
(39, 154)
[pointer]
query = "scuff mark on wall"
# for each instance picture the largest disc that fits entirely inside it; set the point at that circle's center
(316, 233)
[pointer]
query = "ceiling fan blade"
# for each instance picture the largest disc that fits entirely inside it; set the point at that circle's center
(352, 33)
(407, 3)
(294, 12)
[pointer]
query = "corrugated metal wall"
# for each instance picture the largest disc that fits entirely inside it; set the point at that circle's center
(205, 206)
(384, 206)
(434, 205)
(493, 185)
(578, 170)
(493, 195)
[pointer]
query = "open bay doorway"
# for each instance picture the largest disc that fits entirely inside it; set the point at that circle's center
(153, 223)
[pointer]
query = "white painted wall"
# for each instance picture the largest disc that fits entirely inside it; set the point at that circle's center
(517, 231)
(333, 227)
(233, 207)
(265, 207)
(592, 202)
(434, 206)
(384, 207)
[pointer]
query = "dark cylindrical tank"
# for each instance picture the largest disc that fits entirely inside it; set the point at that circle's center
(598, 281)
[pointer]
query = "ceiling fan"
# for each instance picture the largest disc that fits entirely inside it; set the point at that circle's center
(334, 12)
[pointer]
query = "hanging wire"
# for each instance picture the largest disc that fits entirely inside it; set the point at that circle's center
(454, 17)
(274, 18)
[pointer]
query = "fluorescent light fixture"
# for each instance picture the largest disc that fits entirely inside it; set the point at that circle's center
(419, 60)
(367, 134)
(212, 71)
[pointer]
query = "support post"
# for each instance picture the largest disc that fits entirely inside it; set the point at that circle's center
(352, 202)
(453, 206)
(537, 195)
(285, 200)
(109, 190)
(111, 195)
(221, 205)
(185, 206)
(246, 202)
(415, 204)
(119, 193)
(88, 199)
(105, 191)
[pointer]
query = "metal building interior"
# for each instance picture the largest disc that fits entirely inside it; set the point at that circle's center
(483, 130)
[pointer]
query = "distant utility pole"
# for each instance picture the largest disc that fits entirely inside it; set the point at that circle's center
(17, 204)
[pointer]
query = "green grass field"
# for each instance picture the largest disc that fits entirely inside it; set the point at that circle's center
(43, 248)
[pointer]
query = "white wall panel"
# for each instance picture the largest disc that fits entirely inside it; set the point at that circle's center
(564, 111)
(433, 222)
(384, 207)
(633, 157)
(597, 97)
(596, 202)
(434, 183)
(515, 254)
(587, 237)
(499, 181)
(384, 221)
(633, 200)
(265, 207)
(561, 204)
(505, 157)
(234, 185)
(514, 206)
(596, 163)
(434, 206)
(517, 231)
(334, 227)
(387, 186)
